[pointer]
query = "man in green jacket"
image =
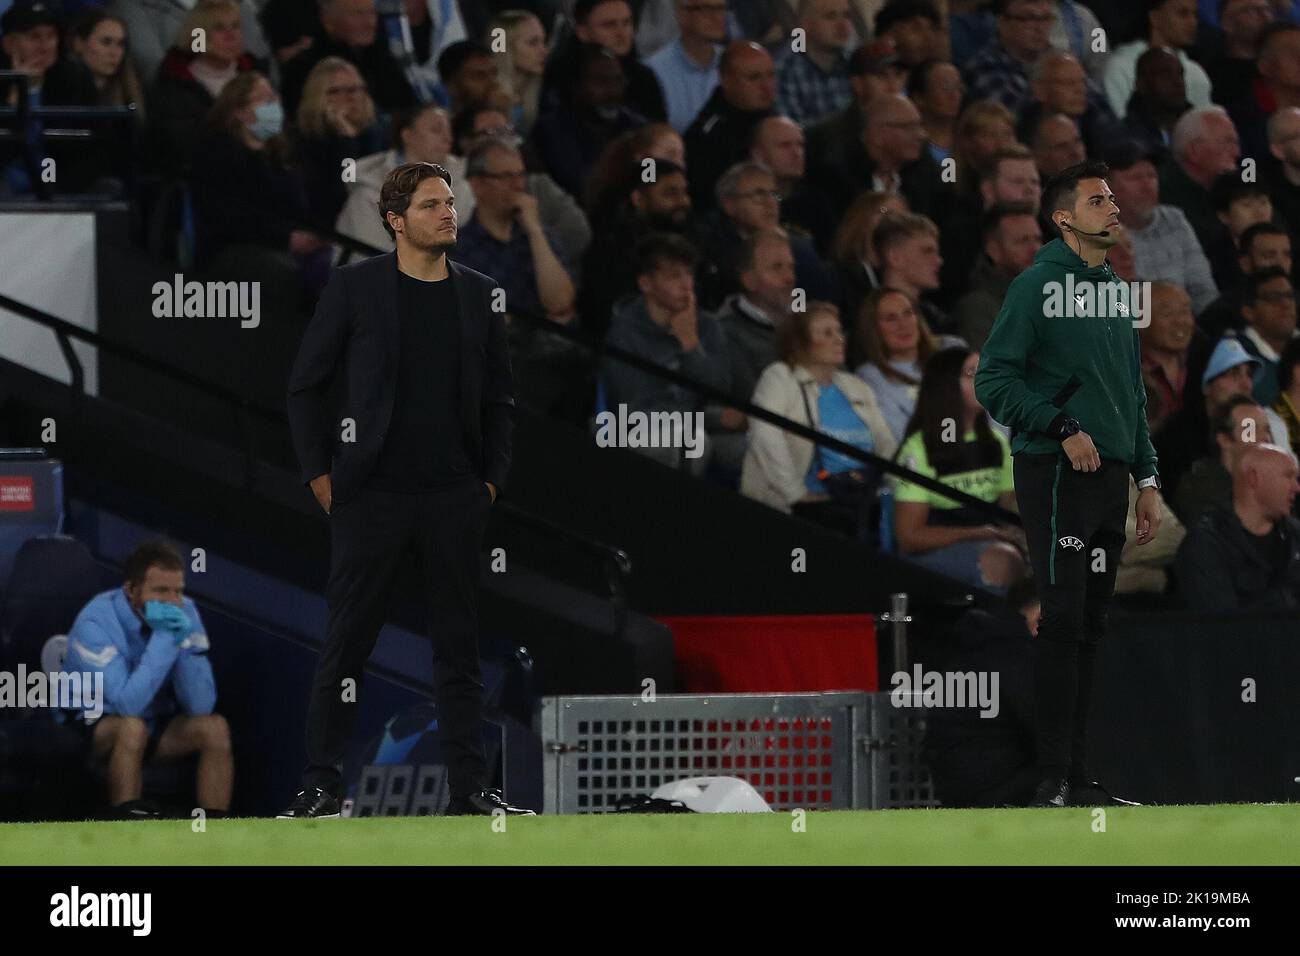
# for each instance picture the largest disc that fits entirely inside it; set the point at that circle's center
(1061, 370)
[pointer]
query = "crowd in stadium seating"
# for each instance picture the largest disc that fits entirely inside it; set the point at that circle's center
(880, 160)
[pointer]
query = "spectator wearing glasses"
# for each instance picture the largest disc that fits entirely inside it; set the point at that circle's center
(506, 239)
(689, 67)
(805, 210)
(350, 30)
(1269, 311)
(749, 203)
(479, 123)
(1000, 71)
(1058, 84)
(336, 122)
(888, 155)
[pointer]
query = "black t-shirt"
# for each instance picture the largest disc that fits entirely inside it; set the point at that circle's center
(425, 446)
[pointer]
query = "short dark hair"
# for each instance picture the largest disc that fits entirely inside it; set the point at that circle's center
(583, 8)
(1261, 229)
(1271, 30)
(900, 11)
(663, 167)
(457, 54)
(992, 219)
(153, 553)
(1286, 363)
(400, 185)
(656, 249)
(405, 119)
(1000, 7)
(462, 124)
(1222, 422)
(1062, 190)
(1229, 187)
(1260, 278)
(918, 78)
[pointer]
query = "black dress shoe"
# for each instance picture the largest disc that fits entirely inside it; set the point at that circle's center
(1090, 793)
(1051, 792)
(135, 810)
(484, 803)
(311, 804)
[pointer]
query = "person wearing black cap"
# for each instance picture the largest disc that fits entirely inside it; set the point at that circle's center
(1165, 246)
(873, 70)
(29, 37)
(1061, 369)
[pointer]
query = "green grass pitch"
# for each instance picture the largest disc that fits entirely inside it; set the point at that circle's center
(1177, 835)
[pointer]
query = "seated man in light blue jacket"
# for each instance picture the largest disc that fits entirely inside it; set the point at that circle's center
(147, 640)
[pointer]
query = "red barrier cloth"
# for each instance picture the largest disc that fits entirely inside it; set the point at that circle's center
(773, 655)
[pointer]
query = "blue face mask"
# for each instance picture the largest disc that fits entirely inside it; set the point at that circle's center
(268, 120)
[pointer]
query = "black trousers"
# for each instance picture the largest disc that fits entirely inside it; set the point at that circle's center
(372, 534)
(1074, 524)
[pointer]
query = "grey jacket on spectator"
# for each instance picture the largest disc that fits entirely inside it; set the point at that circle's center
(152, 25)
(632, 329)
(750, 342)
(1219, 570)
(974, 312)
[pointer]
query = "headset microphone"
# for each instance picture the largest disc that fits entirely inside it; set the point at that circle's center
(1104, 232)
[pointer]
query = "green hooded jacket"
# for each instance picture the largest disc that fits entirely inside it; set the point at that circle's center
(1065, 343)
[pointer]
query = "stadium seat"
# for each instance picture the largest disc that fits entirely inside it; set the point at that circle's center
(53, 578)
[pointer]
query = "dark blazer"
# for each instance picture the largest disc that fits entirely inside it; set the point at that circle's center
(354, 331)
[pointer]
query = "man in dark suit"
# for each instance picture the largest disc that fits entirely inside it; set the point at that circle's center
(412, 456)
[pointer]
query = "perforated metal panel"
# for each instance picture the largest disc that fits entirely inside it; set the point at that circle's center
(796, 750)
(898, 774)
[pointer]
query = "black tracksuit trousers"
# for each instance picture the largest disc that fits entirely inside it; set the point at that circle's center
(371, 535)
(1074, 524)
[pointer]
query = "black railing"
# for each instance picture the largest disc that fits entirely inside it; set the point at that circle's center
(16, 126)
(599, 347)
(615, 563)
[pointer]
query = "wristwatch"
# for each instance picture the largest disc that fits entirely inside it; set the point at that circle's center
(1151, 482)
(1063, 428)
